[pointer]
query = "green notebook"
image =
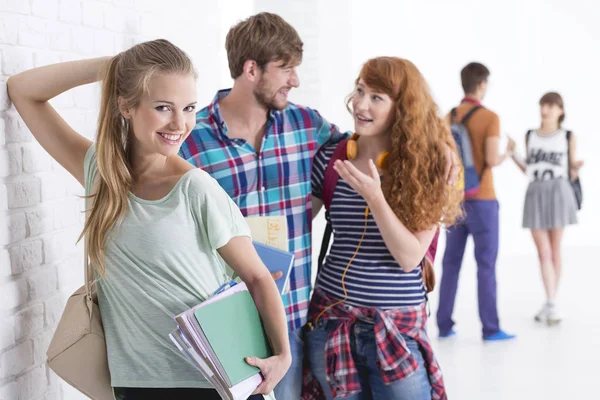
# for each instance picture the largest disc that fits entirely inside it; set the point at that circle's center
(234, 330)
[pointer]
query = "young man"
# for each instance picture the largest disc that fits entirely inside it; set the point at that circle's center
(481, 212)
(260, 147)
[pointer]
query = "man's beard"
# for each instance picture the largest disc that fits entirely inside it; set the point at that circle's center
(261, 94)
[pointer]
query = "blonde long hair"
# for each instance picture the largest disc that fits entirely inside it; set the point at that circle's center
(127, 75)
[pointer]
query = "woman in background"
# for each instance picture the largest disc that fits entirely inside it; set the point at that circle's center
(550, 203)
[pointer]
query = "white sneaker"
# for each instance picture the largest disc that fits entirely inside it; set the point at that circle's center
(542, 315)
(553, 316)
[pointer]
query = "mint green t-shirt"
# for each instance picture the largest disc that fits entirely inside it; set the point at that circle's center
(160, 261)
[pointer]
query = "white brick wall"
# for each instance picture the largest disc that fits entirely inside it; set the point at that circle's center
(40, 217)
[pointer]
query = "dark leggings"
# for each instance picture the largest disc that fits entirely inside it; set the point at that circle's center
(171, 394)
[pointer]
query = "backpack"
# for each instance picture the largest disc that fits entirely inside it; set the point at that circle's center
(330, 181)
(575, 183)
(469, 179)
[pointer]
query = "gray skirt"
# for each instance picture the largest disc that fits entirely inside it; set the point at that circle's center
(549, 204)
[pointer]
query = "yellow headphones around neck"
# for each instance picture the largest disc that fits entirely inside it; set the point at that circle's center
(352, 152)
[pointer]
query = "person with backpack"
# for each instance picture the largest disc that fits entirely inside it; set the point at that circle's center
(386, 194)
(476, 130)
(553, 195)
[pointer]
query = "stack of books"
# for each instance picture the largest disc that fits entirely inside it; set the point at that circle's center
(218, 334)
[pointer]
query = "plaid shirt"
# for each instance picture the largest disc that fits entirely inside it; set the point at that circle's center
(273, 181)
(394, 359)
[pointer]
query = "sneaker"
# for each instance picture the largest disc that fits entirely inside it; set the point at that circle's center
(447, 335)
(542, 315)
(498, 336)
(553, 316)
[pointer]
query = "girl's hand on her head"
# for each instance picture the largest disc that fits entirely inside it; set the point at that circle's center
(272, 369)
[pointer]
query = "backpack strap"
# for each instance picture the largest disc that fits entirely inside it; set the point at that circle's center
(569, 133)
(527, 136)
(453, 115)
(331, 177)
(432, 250)
(469, 114)
(466, 117)
(330, 181)
(427, 264)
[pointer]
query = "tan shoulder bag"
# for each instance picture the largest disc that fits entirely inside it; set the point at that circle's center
(77, 352)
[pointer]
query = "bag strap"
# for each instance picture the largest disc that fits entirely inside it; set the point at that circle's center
(330, 181)
(432, 250)
(469, 114)
(427, 265)
(527, 136)
(569, 133)
(331, 176)
(453, 115)
(466, 117)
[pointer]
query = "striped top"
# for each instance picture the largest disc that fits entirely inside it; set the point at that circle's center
(272, 180)
(374, 279)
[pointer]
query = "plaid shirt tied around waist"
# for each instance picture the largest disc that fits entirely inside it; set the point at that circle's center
(394, 358)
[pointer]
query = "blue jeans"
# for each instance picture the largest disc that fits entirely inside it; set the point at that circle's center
(290, 387)
(416, 386)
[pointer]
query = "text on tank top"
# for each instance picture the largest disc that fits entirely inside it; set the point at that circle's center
(547, 156)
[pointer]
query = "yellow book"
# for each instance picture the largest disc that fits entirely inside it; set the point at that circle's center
(272, 231)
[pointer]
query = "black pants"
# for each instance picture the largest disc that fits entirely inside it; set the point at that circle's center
(171, 394)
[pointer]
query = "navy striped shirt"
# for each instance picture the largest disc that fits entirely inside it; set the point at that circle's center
(374, 279)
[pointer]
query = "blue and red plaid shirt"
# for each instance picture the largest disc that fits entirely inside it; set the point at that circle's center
(394, 358)
(272, 181)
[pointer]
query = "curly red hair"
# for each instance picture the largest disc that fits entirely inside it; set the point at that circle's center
(415, 183)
